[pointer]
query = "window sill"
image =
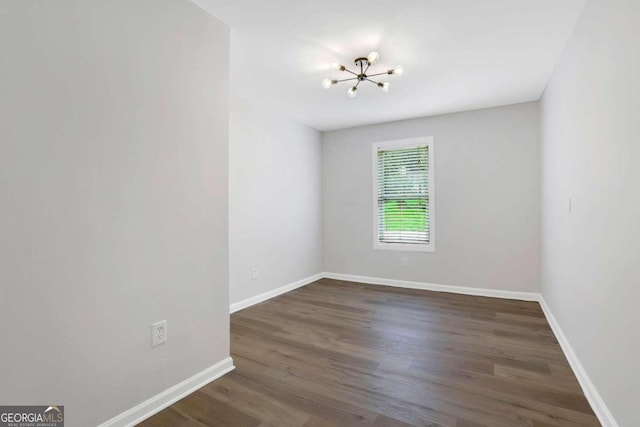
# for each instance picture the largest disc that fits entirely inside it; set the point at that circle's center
(404, 247)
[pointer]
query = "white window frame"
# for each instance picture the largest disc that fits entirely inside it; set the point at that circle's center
(405, 143)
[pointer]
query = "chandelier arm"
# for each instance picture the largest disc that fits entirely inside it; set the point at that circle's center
(349, 71)
(367, 69)
(377, 74)
(375, 83)
(346, 80)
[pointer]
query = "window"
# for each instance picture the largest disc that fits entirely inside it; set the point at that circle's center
(403, 195)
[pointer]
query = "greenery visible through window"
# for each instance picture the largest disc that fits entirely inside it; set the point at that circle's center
(403, 195)
(406, 215)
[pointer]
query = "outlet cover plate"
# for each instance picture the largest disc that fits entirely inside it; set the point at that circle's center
(159, 333)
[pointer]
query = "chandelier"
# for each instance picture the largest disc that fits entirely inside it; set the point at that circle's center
(364, 64)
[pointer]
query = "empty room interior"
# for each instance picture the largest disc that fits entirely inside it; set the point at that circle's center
(297, 213)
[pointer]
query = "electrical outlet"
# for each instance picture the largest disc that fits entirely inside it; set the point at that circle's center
(254, 273)
(159, 333)
(405, 261)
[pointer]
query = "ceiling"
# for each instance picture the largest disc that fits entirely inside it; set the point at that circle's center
(457, 54)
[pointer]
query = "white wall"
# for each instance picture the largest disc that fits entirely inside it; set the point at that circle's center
(274, 201)
(113, 200)
(486, 200)
(590, 153)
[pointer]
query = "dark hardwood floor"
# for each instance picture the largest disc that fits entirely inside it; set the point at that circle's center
(338, 353)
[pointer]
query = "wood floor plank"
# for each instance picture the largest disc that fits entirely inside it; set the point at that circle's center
(258, 405)
(171, 417)
(212, 412)
(336, 353)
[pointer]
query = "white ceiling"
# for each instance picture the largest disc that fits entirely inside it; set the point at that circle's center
(457, 54)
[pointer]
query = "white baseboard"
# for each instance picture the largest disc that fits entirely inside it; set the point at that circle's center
(273, 293)
(171, 395)
(496, 293)
(591, 393)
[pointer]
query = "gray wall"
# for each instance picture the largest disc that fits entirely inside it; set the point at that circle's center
(275, 201)
(487, 185)
(113, 200)
(590, 153)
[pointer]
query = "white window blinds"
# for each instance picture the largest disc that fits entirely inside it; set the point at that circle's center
(403, 195)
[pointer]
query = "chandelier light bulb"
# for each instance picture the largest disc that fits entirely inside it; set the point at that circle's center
(398, 70)
(373, 57)
(336, 65)
(385, 86)
(352, 92)
(326, 83)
